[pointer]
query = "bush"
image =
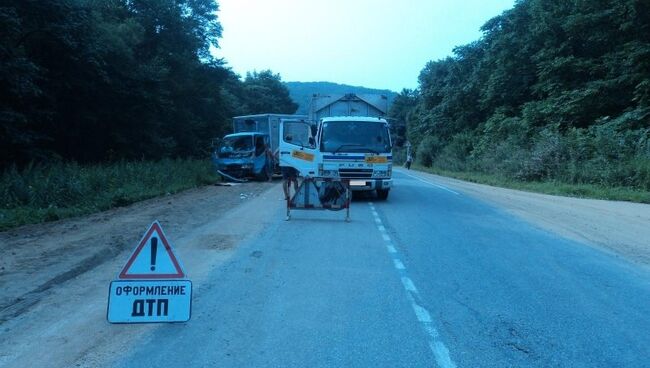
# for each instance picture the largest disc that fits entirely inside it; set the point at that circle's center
(43, 193)
(428, 150)
(454, 156)
(546, 158)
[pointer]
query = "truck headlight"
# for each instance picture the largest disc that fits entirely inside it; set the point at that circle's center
(380, 173)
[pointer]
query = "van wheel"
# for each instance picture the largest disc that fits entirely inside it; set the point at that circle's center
(382, 194)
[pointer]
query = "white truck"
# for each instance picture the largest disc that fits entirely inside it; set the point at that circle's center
(355, 146)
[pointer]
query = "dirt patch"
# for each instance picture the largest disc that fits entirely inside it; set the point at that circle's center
(622, 228)
(56, 276)
(34, 258)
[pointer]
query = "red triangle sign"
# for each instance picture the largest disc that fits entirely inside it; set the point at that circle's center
(153, 258)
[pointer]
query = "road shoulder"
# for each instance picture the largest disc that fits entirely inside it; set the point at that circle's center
(620, 228)
(62, 270)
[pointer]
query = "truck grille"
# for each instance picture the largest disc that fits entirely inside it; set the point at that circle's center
(355, 173)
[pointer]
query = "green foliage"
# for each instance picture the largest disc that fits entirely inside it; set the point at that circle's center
(553, 91)
(39, 193)
(91, 80)
(266, 93)
(428, 150)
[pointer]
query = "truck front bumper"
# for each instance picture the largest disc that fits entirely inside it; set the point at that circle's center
(370, 184)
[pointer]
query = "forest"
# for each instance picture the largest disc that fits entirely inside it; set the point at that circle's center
(107, 102)
(95, 81)
(555, 91)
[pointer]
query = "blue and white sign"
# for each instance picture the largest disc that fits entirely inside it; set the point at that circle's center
(152, 285)
(139, 301)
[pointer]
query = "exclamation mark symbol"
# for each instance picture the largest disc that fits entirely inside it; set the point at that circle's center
(154, 251)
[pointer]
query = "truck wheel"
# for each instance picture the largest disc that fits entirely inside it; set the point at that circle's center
(382, 194)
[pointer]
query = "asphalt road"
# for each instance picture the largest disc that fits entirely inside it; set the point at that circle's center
(429, 278)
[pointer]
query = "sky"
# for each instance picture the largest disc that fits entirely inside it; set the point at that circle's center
(371, 43)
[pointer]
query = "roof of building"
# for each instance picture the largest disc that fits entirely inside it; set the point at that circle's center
(379, 102)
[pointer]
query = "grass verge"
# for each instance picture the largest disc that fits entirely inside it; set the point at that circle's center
(549, 187)
(37, 193)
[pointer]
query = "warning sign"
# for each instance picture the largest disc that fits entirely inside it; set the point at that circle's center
(148, 289)
(149, 301)
(153, 258)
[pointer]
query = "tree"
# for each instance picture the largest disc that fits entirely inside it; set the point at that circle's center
(265, 92)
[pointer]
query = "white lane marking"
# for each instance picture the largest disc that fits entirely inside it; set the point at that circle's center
(438, 348)
(398, 264)
(441, 353)
(408, 285)
(430, 183)
(421, 313)
(371, 203)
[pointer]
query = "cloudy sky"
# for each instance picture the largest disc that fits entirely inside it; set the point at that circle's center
(370, 43)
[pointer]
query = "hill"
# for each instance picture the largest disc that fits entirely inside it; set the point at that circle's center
(301, 92)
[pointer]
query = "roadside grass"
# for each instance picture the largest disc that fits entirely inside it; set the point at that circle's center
(39, 193)
(548, 187)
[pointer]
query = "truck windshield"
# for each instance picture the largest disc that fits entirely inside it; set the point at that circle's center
(236, 144)
(355, 136)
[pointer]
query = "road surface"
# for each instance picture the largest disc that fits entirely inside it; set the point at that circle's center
(432, 277)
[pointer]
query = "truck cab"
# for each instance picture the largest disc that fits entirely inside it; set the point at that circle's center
(354, 148)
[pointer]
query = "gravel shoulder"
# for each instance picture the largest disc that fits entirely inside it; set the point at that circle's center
(622, 228)
(54, 277)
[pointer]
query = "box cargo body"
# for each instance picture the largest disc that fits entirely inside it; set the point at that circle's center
(263, 123)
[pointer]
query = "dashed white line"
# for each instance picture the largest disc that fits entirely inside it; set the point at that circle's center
(438, 348)
(398, 264)
(421, 313)
(441, 353)
(430, 183)
(408, 285)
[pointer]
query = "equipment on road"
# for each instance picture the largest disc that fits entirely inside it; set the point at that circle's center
(321, 194)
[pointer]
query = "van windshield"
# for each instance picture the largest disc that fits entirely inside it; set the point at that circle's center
(355, 136)
(236, 144)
